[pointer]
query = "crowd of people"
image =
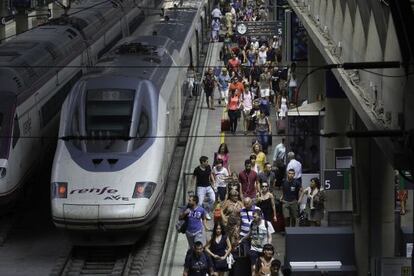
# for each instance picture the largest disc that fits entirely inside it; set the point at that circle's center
(249, 206)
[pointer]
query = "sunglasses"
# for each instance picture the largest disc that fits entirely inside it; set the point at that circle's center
(265, 186)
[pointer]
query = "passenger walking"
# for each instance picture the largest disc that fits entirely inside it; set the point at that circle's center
(209, 83)
(266, 202)
(223, 83)
(231, 216)
(268, 176)
(263, 130)
(219, 247)
(295, 165)
(223, 154)
(196, 219)
(247, 103)
(248, 180)
(265, 84)
(292, 84)
(203, 179)
(315, 203)
(197, 262)
(220, 176)
(246, 216)
(290, 195)
(234, 184)
(263, 264)
(215, 30)
(275, 268)
(283, 108)
(260, 156)
(280, 152)
(260, 233)
(255, 167)
(233, 109)
(216, 13)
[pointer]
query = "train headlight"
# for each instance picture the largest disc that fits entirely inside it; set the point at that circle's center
(59, 190)
(143, 189)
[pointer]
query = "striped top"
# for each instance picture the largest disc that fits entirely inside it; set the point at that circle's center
(246, 219)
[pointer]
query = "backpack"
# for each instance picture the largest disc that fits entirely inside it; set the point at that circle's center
(181, 225)
(208, 83)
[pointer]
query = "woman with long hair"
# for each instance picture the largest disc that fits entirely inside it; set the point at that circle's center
(223, 154)
(219, 247)
(315, 203)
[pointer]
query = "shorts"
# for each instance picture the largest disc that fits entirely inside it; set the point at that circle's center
(221, 193)
(209, 93)
(290, 209)
(265, 92)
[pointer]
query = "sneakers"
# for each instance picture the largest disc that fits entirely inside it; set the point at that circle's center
(208, 216)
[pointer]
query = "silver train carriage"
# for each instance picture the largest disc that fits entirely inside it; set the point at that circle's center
(37, 70)
(118, 128)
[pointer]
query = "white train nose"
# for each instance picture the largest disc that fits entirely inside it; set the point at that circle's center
(98, 212)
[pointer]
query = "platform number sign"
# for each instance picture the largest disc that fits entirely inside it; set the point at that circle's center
(336, 179)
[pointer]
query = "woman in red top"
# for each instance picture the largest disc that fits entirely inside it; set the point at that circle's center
(233, 108)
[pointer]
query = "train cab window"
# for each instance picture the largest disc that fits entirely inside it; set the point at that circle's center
(108, 118)
(142, 130)
(16, 131)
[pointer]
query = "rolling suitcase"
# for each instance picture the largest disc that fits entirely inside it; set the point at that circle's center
(281, 125)
(241, 265)
(225, 122)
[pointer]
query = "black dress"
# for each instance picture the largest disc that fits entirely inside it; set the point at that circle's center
(266, 206)
(219, 249)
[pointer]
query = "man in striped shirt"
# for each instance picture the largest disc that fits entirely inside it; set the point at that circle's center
(246, 215)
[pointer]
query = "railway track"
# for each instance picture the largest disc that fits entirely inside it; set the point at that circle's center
(96, 261)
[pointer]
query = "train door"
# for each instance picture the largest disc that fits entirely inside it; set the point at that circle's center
(197, 49)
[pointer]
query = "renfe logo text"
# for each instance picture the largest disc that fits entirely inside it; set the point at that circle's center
(94, 190)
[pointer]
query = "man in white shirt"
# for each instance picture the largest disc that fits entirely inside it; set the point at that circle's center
(216, 13)
(280, 152)
(295, 165)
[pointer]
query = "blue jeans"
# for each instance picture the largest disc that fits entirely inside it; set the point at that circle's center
(202, 192)
(262, 137)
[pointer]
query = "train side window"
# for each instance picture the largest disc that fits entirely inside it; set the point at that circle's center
(16, 131)
(142, 130)
(190, 50)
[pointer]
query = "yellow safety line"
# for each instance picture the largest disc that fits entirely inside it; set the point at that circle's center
(222, 134)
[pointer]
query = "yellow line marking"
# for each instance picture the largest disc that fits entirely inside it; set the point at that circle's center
(222, 134)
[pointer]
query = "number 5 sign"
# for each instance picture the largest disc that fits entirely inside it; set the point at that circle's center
(336, 179)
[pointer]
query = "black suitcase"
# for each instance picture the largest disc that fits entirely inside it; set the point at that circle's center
(241, 266)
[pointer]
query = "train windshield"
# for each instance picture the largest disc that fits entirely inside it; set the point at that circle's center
(6, 110)
(108, 116)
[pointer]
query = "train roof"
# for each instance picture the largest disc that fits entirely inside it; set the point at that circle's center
(151, 56)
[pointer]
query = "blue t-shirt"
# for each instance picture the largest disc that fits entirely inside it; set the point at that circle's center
(195, 220)
(224, 81)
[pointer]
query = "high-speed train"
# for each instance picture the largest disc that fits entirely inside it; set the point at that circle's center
(38, 69)
(118, 126)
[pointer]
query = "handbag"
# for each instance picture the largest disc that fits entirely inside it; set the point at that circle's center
(181, 225)
(238, 113)
(230, 261)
